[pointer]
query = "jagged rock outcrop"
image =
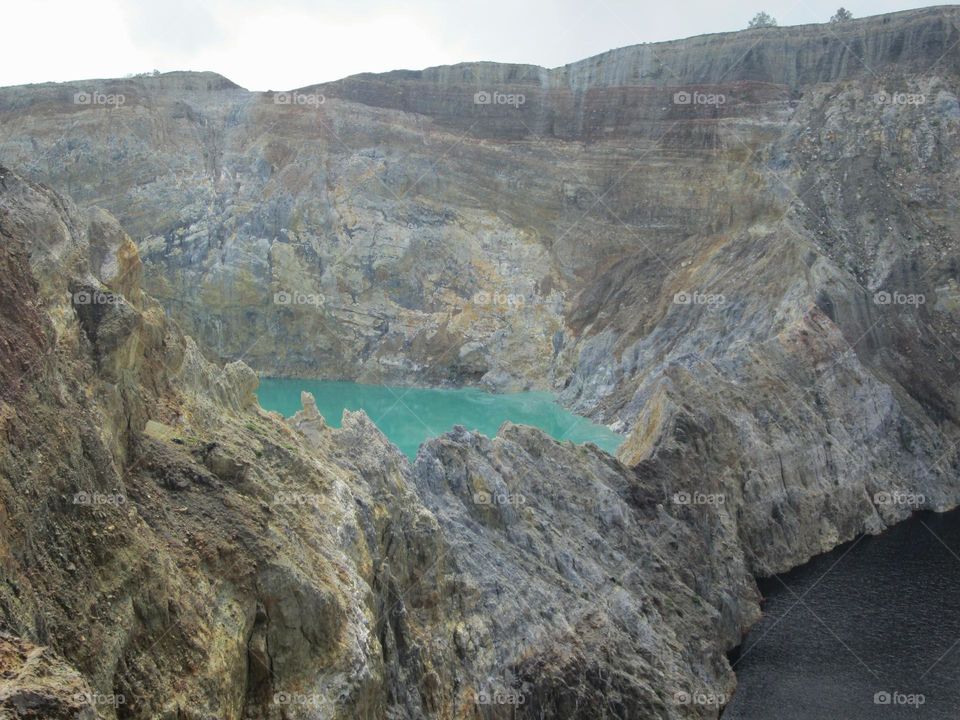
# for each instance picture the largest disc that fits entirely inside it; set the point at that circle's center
(173, 551)
(195, 556)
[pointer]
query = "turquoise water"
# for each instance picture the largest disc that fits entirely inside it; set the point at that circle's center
(408, 416)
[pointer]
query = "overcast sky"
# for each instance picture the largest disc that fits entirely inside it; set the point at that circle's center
(283, 44)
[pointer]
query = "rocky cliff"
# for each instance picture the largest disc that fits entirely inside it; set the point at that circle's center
(758, 226)
(487, 222)
(740, 250)
(170, 550)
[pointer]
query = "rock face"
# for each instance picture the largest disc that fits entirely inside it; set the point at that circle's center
(36, 684)
(170, 550)
(739, 249)
(397, 228)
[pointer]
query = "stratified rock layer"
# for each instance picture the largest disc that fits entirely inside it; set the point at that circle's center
(389, 227)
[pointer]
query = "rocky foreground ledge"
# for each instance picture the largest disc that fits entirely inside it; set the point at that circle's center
(170, 550)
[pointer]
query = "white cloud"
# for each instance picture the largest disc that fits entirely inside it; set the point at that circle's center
(173, 26)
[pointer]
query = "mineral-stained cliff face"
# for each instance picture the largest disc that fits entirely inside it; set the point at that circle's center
(170, 550)
(398, 227)
(761, 292)
(749, 236)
